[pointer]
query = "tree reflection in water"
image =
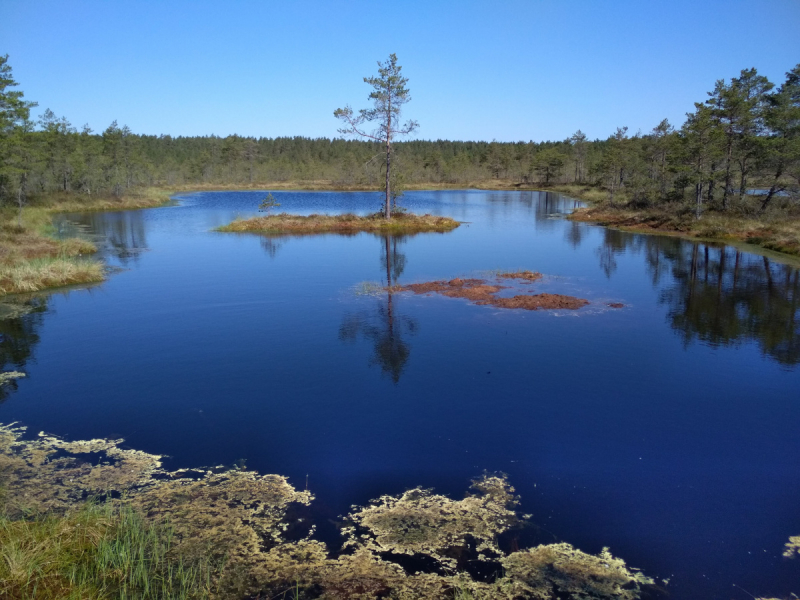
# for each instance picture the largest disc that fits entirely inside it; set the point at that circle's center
(719, 294)
(271, 244)
(384, 327)
(122, 234)
(20, 321)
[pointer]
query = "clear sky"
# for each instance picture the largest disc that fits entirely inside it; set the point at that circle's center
(506, 70)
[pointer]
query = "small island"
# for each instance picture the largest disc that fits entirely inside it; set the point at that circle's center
(346, 223)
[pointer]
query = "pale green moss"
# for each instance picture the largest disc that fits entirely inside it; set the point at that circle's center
(7, 376)
(792, 547)
(240, 521)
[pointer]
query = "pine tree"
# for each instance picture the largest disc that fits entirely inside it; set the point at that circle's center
(389, 94)
(16, 157)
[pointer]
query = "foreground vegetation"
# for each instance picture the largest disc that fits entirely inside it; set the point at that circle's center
(347, 223)
(215, 533)
(98, 551)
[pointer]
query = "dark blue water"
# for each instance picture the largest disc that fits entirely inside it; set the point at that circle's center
(667, 430)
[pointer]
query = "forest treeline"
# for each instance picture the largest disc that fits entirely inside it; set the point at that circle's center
(745, 135)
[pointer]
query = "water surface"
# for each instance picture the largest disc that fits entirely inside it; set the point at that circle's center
(666, 430)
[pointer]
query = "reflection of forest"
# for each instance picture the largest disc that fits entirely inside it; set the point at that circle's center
(719, 294)
(19, 326)
(121, 234)
(384, 327)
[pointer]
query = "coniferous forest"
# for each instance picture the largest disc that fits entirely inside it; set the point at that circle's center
(744, 136)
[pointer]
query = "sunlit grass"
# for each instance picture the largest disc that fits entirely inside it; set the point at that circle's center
(32, 259)
(41, 273)
(95, 552)
(773, 230)
(347, 223)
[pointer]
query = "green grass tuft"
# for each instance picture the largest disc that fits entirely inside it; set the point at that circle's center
(96, 552)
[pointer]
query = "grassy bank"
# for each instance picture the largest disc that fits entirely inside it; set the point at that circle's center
(775, 231)
(347, 223)
(32, 259)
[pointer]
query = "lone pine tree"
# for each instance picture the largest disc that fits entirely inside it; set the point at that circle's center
(389, 94)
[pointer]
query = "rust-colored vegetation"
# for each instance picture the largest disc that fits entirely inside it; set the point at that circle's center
(484, 293)
(523, 276)
(347, 223)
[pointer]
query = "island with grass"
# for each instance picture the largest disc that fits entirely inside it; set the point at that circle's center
(400, 222)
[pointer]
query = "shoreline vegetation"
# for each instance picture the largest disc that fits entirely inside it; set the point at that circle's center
(772, 231)
(285, 223)
(33, 259)
(91, 519)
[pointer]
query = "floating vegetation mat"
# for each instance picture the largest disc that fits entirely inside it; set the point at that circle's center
(255, 530)
(483, 292)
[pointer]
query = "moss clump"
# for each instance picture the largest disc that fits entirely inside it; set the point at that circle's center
(7, 376)
(347, 223)
(422, 523)
(221, 533)
(792, 547)
(535, 572)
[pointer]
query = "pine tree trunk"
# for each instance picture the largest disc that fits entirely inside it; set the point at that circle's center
(387, 209)
(698, 191)
(727, 191)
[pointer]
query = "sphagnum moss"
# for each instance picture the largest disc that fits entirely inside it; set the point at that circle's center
(224, 534)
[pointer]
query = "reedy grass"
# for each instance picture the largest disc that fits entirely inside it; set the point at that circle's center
(40, 273)
(96, 552)
(31, 259)
(347, 223)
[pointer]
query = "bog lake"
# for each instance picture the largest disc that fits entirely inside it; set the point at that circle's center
(668, 429)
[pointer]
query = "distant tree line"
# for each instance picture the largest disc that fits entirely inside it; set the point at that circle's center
(745, 135)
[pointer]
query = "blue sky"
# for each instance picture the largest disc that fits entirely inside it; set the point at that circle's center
(505, 70)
